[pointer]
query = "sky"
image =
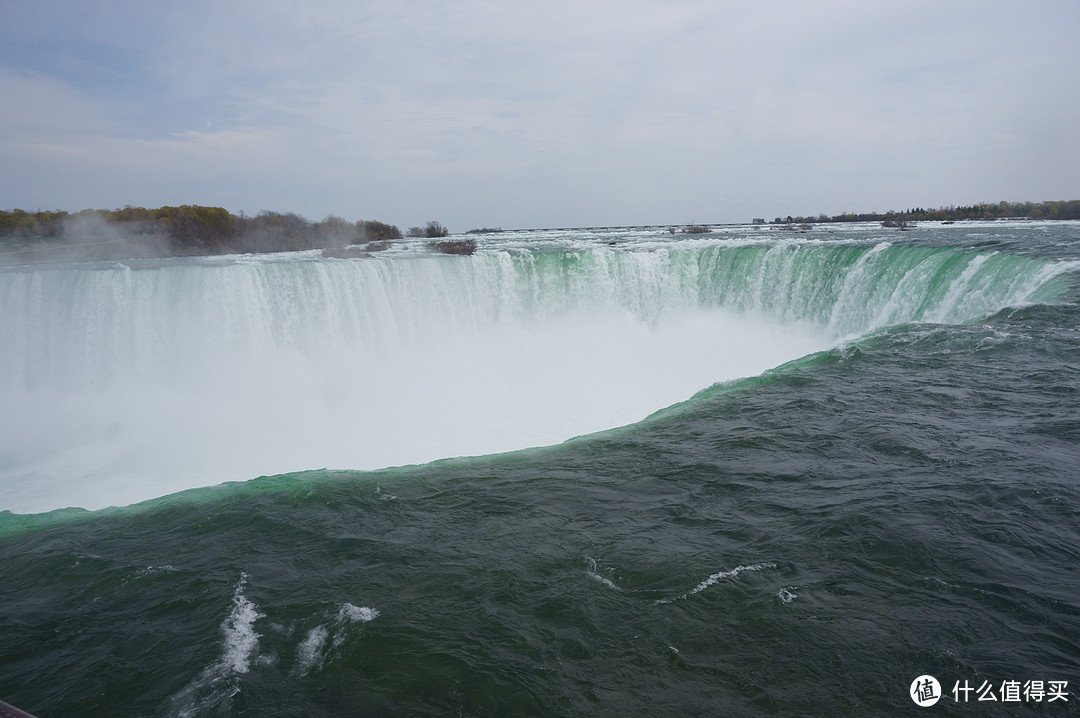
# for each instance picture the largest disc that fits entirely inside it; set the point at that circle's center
(565, 113)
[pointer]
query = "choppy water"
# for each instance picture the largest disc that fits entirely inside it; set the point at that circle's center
(875, 477)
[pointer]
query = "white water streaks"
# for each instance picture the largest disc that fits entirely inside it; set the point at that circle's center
(309, 654)
(356, 614)
(715, 578)
(218, 683)
(121, 384)
(591, 572)
(321, 641)
(213, 689)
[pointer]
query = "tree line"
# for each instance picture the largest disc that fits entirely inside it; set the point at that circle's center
(194, 229)
(1068, 209)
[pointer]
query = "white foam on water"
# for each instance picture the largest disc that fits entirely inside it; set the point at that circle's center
(600, 579)
(150, 571)
(591, 572)
(357, 614)
(321, 642)
(720, 576)
(715, 578)
(309, 654)
(218, 682)
(241, 640)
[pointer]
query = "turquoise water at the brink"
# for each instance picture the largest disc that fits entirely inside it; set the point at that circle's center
(580, 473)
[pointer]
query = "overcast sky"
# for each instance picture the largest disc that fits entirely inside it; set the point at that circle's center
(541, 114)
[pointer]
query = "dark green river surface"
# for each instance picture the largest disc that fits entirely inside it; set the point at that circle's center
(807, 539)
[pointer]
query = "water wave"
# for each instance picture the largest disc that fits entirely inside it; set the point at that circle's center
(219, 682)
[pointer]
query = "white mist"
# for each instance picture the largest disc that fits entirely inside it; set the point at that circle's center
(120, 384)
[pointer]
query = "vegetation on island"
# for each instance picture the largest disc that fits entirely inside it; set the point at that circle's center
(433, 230)
(899, 222)
(454, 246)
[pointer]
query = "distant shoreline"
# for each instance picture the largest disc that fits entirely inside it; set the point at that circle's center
(1054, 210)
(193, 230)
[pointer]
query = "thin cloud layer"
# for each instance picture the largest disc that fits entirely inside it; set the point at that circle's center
(564, 113)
